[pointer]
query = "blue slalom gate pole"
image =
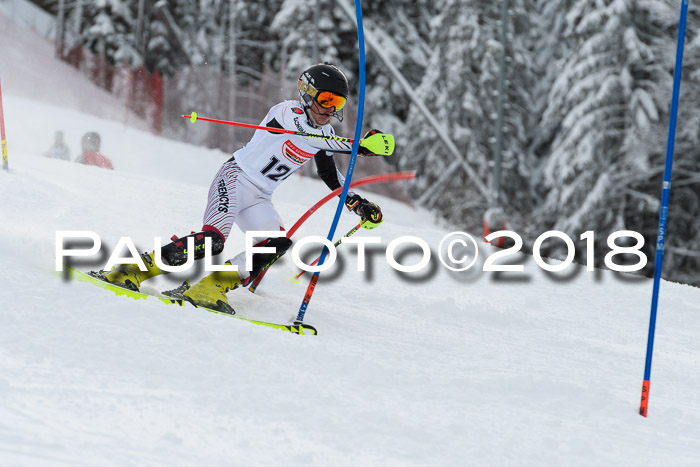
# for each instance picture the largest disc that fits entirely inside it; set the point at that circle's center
(351, 166)
(665, 194)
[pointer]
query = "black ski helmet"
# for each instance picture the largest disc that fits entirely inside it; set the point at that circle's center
(90, 142)
(319, 78)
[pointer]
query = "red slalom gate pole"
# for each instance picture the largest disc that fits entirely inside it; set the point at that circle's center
(338, 242)
(3, 143)
(363, 181)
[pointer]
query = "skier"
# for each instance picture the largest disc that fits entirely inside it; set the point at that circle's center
(242, 189)
(58, 149)
(90, 143)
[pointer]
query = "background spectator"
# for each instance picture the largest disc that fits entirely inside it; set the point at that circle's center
(90, 144)
(58, 149)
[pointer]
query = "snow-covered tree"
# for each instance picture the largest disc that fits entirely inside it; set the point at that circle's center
(682, 253)
(401, 28)
(587, 88)
(459, 87)
(601, 134)
(109, 32)
(294, 26)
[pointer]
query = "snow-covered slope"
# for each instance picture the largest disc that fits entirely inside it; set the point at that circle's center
(434, 368)
(28, 69)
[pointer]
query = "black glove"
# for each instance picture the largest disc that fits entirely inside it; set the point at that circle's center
(370, 213)
(353, 203)
(364, 151)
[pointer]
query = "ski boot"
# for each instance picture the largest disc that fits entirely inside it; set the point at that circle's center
(177, 292)
(211, 291)
(130, 276)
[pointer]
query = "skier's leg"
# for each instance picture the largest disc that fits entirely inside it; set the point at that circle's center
(261, 216)
(225, 199)
(211, 291)
(219, 217)
(130, 276)
(256, 212)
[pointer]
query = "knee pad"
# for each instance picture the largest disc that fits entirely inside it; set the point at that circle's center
(260, 260)
(175, 253)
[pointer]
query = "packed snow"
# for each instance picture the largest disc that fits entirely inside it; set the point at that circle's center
(426, 368)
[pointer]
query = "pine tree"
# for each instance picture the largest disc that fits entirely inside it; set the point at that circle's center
(602, 131)
(459, 87)
(587, 90)
(294, 26)
(109, 32)
(400, 27)
(682, 252)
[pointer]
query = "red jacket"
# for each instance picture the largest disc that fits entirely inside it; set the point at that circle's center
(95, 158)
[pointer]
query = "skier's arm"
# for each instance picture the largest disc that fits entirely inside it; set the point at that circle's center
(329, 173)
(327, 170)
(291, 116)
(108, 163)
(301, 125)
(382, 143)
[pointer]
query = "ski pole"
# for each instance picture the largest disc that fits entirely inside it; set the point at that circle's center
(340, 240)
(380, 143)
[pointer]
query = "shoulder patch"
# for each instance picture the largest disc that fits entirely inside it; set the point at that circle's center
(297, 110)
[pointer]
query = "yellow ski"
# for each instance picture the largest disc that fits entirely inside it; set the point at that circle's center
(84, 277)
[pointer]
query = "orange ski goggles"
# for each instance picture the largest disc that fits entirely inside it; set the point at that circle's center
(327, 99)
